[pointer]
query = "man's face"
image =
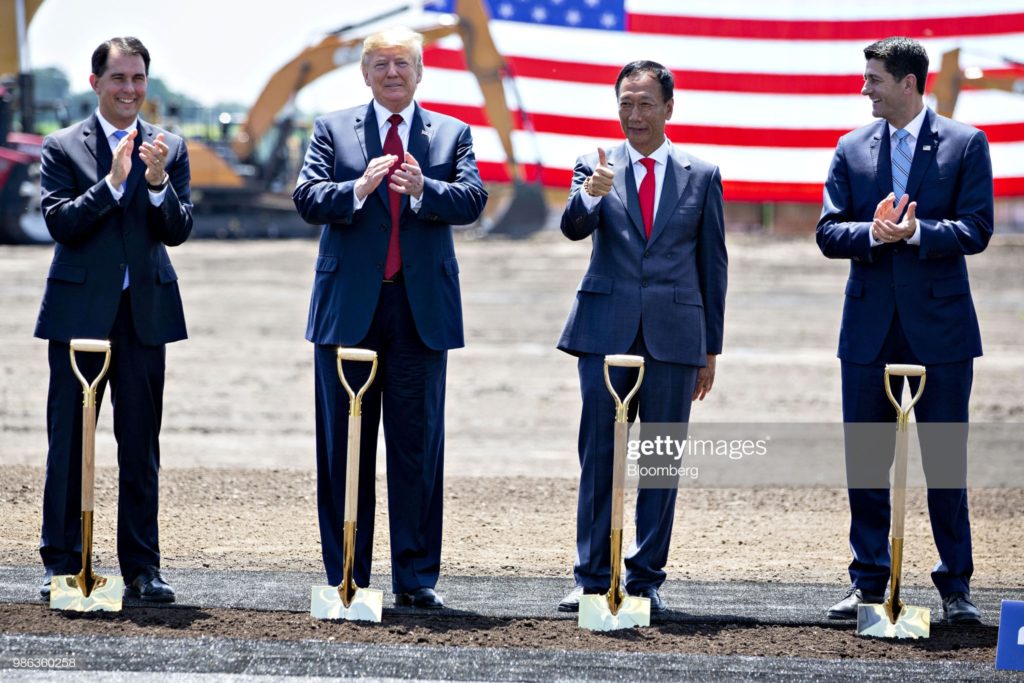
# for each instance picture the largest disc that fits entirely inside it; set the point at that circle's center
(642, 112)
(122, 88)
(891, 100)
(392, 75)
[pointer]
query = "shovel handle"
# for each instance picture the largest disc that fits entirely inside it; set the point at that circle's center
(89, 414)
(899, 478)
(623, 361)
(355, 398)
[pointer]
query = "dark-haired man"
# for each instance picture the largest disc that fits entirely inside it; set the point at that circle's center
(115, 195)
(655, 287)
(907, 198)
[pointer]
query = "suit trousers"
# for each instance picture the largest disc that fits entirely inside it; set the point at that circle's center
(409, 393)
(136, 378)
(664, 396)
(944, 400)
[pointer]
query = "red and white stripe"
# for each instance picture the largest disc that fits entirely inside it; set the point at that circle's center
(764, 90)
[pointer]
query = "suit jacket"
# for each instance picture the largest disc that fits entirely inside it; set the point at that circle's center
(673, 284)
(98, 237)
(951, 181)
(354, 244)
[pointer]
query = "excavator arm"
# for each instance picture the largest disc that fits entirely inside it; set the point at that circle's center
(335, 51)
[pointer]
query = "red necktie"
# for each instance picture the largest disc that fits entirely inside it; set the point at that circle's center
(647, 195)
(393, 145)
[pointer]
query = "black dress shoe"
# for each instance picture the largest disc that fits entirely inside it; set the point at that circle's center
(651, 593)
(847, 607)
(424, 598)
(44, 588)
(150, 587)
(957, 608)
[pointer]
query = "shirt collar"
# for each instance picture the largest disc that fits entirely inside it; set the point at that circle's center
(383, 114)
(659, 155)
(914, 127)
(109, 128)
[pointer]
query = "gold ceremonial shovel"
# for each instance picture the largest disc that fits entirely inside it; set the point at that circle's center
(86, 592)
(347, 601)
(617, 610)
(895, 619)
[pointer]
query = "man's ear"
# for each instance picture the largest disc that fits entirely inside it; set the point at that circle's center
(92, 81)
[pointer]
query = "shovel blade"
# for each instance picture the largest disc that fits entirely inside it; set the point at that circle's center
(65, 594)
(913, 622)
(595, 614)
(366, 605)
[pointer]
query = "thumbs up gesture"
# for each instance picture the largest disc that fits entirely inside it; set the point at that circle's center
(600, 182)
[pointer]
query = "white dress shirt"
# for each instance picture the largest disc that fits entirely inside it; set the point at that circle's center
(660, 157)
(383, 126)
(155, 198)
(914, 130)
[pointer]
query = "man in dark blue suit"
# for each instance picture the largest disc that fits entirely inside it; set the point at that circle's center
(115, 195)
(907, 198)
(387, 181)
(655, 287)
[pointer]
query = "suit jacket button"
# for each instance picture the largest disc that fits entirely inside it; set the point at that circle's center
(647, 254)
(121, 266)
(380, 266)
(643, 283)
(383, 228)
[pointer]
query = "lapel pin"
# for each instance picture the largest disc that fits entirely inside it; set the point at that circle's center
(927, 148)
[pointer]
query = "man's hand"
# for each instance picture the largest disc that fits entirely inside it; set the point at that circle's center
(886, 230)
(705, 379)
(375, 172)
(122, 163)
(409, 178)
(889, 210)
(600, 183)
(155, 157)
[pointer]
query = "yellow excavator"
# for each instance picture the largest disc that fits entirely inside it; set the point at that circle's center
(220, 188)
(951, 79)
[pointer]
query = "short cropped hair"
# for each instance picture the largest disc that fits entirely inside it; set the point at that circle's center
(663, 76)
(901, 56)
(126, 45)
(400, 36)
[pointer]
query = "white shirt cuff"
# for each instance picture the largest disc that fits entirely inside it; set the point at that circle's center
(157, 198)
(415, 203)
(357, 203)
(589, 202)
(915, 239)
(113, 190)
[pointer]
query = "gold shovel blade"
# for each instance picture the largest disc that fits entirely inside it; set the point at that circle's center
(595, 614)
(106, 594)
(874, 621)
(366, 605)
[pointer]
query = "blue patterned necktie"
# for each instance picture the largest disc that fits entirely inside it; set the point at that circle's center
(900, 164)
(119, 135)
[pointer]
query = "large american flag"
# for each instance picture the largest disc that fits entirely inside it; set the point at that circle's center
(764, 88)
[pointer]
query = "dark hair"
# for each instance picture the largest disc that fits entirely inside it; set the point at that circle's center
(663, 76)
(901, 56)
(125, 45)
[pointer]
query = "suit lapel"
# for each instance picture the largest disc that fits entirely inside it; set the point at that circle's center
(420, 132)
(92, 133)
(624, 184)
(881, 159)
(677, 175)
(924, 153)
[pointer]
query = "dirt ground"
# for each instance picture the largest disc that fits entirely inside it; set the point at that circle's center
(237, 489)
